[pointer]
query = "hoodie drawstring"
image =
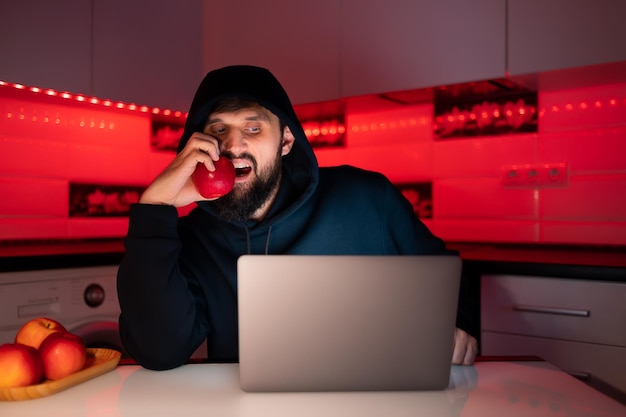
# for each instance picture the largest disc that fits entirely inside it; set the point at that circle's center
(267, 240)
(247, 239)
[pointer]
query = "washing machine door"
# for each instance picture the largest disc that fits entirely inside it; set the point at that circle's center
(101, 334)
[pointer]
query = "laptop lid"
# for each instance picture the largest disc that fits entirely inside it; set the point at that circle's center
(346, 323)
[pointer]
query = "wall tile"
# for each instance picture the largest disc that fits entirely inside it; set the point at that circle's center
(482, 156)
(403, 124)
(485, 230)
(33, 228)
(402, 162)
(482, 198)
(36, 157)
(591, 198)
(589, 151)
(582, 108)
(103, 164)
(33, 197)
(585, 233)
(101, 227)
(74, 124)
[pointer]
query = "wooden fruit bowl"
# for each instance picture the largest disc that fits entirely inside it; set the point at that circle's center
(99, 361)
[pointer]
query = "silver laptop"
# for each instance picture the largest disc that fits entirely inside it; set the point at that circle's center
(346, 323)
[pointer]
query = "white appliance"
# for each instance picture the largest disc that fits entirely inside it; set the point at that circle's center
(83, 299)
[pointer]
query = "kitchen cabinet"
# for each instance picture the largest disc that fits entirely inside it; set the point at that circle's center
(408, 44)
(327, 49)
(144, 52)
(557, 34)
(147, 52)
(297, 41)
(574, 324)
(46, 44)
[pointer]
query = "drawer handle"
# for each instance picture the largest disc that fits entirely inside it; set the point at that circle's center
(552, 310)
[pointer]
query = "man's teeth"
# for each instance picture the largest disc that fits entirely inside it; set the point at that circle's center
(242, 170)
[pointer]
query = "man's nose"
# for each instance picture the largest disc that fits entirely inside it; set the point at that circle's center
(233, 142)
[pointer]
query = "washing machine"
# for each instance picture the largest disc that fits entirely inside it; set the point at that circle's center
(83, 299)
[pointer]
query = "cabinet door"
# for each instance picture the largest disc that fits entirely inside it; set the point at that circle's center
(405, 44)
(148, 52)
(46, 45)
(556, 34)
(596, 364)
(298, 41)
(567, 309)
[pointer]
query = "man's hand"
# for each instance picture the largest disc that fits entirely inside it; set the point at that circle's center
(465, 348)
(173, 186)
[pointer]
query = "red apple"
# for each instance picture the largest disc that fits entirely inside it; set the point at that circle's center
(20, 365)
(63, 353)
(34, 331)
(214, 184)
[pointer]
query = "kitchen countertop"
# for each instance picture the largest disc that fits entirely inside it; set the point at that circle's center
(566, 261)
(490, 388)
(573, 261)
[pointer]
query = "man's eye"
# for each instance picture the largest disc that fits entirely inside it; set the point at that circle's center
(253, 129)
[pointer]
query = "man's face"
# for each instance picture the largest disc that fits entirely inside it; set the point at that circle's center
(253, 140)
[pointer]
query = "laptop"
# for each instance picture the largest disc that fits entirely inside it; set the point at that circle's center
(346, 323)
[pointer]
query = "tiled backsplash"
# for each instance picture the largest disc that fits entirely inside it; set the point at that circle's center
(44, 148)
(581, 131)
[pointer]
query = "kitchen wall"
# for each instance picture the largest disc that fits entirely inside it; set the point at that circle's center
(337, 50)
(48, 144)
(582, 131)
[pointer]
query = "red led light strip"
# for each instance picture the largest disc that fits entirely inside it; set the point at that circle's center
(81, 98)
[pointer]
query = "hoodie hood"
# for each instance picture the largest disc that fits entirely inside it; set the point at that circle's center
(259, 85)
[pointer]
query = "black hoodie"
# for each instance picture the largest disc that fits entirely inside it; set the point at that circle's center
(177, 281)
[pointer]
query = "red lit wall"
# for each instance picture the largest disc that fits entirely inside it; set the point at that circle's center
(46, 146)
(582, 131)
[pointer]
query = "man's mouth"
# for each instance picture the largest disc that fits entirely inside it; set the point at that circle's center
(242, 170)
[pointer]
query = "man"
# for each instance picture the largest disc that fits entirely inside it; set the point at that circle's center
(177, 281)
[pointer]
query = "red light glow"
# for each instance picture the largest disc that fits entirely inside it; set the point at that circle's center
(93, 100)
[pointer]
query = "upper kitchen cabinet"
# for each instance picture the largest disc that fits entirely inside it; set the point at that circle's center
(46, 44)
(406, 44)
(298, 41)
(148, 52)
(557, 34)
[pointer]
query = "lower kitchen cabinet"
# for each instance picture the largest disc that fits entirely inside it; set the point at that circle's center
(577, 325)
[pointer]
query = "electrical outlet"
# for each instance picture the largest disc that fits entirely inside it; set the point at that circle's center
(535, 175)
(514, 176)
(554, 174)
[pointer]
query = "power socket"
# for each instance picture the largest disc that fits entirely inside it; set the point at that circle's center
(553, 174)
(535, 175)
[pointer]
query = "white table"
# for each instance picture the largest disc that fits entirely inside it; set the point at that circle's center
(487, 389)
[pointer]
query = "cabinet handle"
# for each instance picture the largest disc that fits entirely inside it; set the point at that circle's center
(583, 376)
(552, 310)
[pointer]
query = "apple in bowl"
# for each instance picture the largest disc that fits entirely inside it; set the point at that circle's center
(214, 184)
(20, 365)
(62, 354)
(34, 331)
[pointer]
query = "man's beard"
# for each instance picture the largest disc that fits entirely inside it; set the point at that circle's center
(241, 203)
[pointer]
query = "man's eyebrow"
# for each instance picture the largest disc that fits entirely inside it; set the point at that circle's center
(259, 117)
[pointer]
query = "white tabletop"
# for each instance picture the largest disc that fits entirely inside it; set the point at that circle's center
(487, 389)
